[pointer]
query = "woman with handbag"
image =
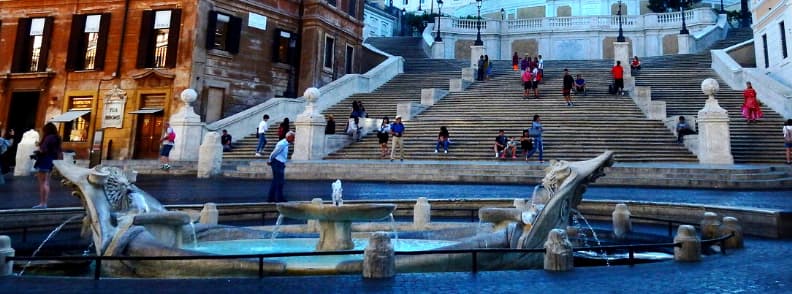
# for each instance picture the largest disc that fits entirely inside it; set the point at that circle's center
(48, 150)
(383, 134)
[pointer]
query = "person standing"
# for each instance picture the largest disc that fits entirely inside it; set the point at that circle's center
(397, 131)
(442, 140)
(486, 68)
(567, 87)
(527, 82)
(480, 71)
(536, 132)
(535, 81)
(225, 140)
(751, 109)
(49, 150)
(618, 78)
(283, 128)
(261, 133)
(525, 64)
(515, 61)
(277, 160)
(383, 134)
(330, 128)
(168, 140)
(540, 66)
(788, 140)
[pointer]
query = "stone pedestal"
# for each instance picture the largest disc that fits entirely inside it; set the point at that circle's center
(188, 128)
(25, 148)
(422, 213)
(309, 141)
(210, 156)
(713, 126)
(6, 266)
(313, 224)
(621, 52)
(475, 53)
(683, 43)
(457, 85)
(379, 259)
(164, 226)
(691, 244)
(407, 110)
(468, 74)
(438, 50)
(710, 226)
(209, 214)
(621, 221)
(558, 252)
(730, 225)
(430, 96)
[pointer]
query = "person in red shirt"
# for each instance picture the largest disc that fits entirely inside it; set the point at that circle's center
(635, 64)
(750, 108)
(618, 77)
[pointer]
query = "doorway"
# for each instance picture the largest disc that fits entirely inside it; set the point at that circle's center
(22, 112)
(147, 136)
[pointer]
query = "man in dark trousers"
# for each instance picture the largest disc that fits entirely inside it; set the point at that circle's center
(225, 140)
(567, 89)
(277, 160)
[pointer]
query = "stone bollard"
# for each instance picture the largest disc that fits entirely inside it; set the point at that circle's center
(520, 204)
(422, 213)
(379, 260)
(710, 226)
(6, 267)
(313, 224)
(728, 226)
(690, 250)
(25, 148)
(621, 221)
(558, 252)
(209, 214)
(210, 156)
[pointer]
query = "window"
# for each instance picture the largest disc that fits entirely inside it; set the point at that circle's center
(405, 2)
(349, 59)
(783, 40)
(32, 44)
(159, 38)
(331, 2)
(285, 47)
(77, 129)
(223, 32)
(764, 50)
(88, 41)
(353, 8)
(329, 48)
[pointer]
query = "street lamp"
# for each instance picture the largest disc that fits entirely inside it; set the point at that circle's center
(478, 24)
(404, 22)
(439, 13)
(620, 38)
(684, 30)
(722, 11)
(419, 5)
(503, 14)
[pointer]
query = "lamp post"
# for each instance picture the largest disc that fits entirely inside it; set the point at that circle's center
(404, 22)
(684, 30)
(503, 14)
(478, 24)
(439, 13)
(419, 5)
(620, 38)
(722, 11)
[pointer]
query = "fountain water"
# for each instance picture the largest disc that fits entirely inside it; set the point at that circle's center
(276, 229)
(393, 228)
(194, 236)
(51, 234)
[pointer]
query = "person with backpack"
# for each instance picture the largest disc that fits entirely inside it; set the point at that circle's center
(536, 132)
(788, 140)
(168, 140)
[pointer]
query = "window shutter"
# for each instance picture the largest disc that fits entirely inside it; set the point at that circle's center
(234, 33)
(21, 60)
(46, 40)
(173, 38)
(101, 43)
(211, 26)
(75, 56)
(145, 43)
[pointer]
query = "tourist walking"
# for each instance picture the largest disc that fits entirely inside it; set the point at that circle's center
(331, 125)
(683, 129)
(527, 83)
(261, 133)
(540, 67)
(525, 64)
(353, 128)
(283, 128)
(397, 131)
(168, 140)
(618, 78)
(277, 160)
(383, 134)
(535, 82)
(515, 62)
(526, 142)
(788, 140)
(49, 149)
(567, 88)
(536, 133)
(442, 140)
(751, 109)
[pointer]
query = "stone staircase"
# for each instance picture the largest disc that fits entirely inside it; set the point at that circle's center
(407, 47)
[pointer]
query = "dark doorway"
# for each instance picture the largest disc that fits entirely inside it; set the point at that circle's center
(21, 118)
(147, 137)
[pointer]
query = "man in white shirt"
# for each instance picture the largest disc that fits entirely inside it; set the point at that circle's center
(277, 160)
(260, 132)
(540, 66)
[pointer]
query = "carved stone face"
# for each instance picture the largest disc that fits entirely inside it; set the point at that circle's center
(555, 174)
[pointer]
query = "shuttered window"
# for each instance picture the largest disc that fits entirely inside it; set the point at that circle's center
(159, 38)
(223, 32)
(88, 42)
(31, 49)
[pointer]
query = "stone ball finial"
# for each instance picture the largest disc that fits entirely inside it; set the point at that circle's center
(710, 87)
(189, 96)
(311, 94)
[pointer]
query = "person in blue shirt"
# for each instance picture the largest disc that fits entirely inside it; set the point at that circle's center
(580, 85)
(536, 132)
(277, 160)
(397, 131)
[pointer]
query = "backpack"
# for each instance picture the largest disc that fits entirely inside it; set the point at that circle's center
(526, 77)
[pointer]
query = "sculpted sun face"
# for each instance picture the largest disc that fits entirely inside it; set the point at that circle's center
(555, 174)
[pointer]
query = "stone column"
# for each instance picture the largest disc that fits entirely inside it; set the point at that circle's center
(558, 252)
(313, 225)
(422, 213)
(691, 244)
(731, 225)
(25, 148)
(209, 214)
(438, 50)
(309, 141)
(379, 260)
(621, 221)
(188, 127)
(621, 52)
(475, 53)
(710, 226)
(684, 43)
(6, 267)
(210, 156)
(713, 128)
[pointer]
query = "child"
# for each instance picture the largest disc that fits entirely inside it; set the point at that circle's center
(511, 146)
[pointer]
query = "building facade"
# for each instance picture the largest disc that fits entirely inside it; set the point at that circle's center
(109, 72)
(772, 27)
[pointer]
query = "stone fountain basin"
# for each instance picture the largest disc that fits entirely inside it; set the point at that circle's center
(347, 212)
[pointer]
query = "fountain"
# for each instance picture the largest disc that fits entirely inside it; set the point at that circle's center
(126, 221)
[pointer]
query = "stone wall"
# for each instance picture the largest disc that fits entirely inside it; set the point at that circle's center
(525, 46)
(462, 49)
(670, 44)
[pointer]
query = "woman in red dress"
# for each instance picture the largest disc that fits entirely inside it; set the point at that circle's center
(750, 108)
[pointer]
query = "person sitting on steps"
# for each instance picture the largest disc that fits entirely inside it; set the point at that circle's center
(683, 129)
(580, 85)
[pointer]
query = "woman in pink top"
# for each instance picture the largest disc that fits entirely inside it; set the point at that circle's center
(751, 109)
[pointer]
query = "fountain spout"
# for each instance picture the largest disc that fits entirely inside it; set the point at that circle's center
(338, 198)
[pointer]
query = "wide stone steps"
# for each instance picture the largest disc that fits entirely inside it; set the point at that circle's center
(408, 47)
